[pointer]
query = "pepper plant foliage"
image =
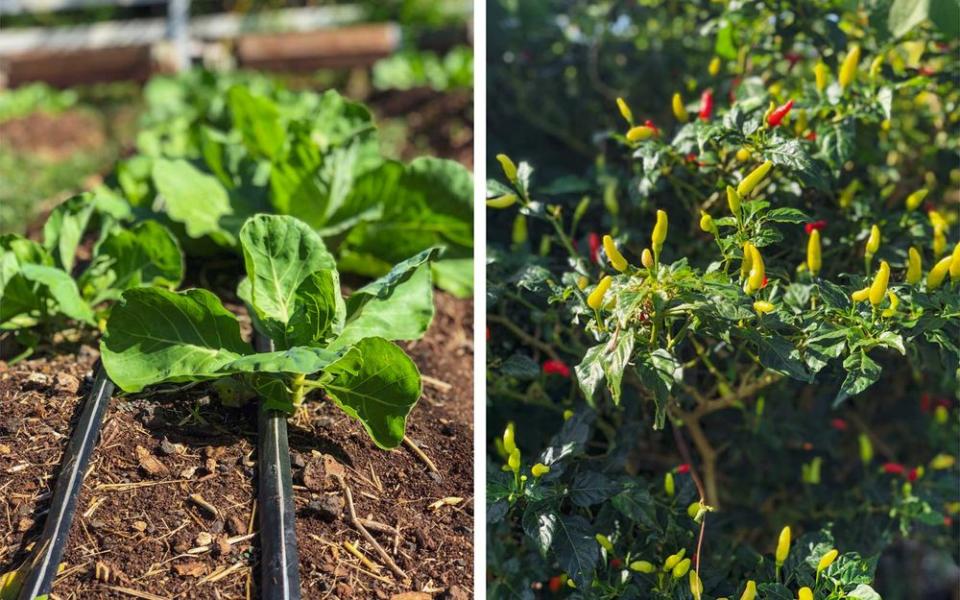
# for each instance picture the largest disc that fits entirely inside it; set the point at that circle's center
(321, 340)
(768, 336)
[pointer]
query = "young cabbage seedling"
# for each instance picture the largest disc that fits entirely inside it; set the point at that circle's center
(322, 341)
(37, 287)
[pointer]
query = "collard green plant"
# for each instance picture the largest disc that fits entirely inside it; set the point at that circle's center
(322, 341)
(42, 285)
(244, 145)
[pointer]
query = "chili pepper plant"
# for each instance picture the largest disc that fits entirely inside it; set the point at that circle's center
(757, 290)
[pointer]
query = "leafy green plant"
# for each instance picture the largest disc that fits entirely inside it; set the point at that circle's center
(37, 284)
(322, 342)
(231, 151)
(414, 68)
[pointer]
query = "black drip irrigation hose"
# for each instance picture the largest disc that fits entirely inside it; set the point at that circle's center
(279, 560)
(44, 563)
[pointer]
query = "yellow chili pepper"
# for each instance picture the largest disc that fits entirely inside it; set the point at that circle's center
(514, 460)
(640, 133)
(605, 542)
(706, 223)
(814, 258)
(582, 282)
(942, 462)
(714, 66)
(805, 594)
(860, 295)
(659, 234)
(955, 263)
(802, 122)
(848, 70)
(509, 438)
(625, 110)
(503, 201)
(916, 198)
(509, 169)
(757, 271)
(938, 273)
(595, 299)
(826, 560)
(681, 568)
(539, 470)
(821, 72)
(866, 448)
(914, 266)
(747, 260)
(763, 307)
(848, 193)
(875, 66)
(642, 566)
(646, 258)
(941, 414)
(770, 108)
(567, 414)
(873, 242)
(743, 155)
(668, 484)
(696, 586)
(519, 233)
(673, 559)
(783, 546)
(751, 181)
(679, 110)
(894, 303)
(750, 592)
(733, 201)
(939, 242)
(878, 289)
(617, 261)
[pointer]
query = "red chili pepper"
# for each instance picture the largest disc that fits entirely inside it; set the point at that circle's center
(894, 468)
(649, 123)
(779, 113)
(616, 563)
(839, 424)
(947, 521)
(555, 584)
(816, 225)
(706, 105)
(812, 136)
(556, 367)
(926, 403)
(793, 58)
(926, 71)
(944, 402)
(683, 469)
(765, 281)
(913, 474)
(807, 446)
(594, 240)
(733, 89)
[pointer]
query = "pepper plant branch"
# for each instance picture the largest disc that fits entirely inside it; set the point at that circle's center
(524, 336)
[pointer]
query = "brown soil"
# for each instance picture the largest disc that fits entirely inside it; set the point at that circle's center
(53, 136)
(140, 531)
(444, 121)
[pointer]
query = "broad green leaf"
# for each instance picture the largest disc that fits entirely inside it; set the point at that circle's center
(864, 592)
(906, 14)
(155, 336)
(298, 359)
(779, 355)
(64, 229)
(258, 119)
(318, 310)
(576, 548)
(540, 524)
(377, 383)
(454, 275)
(194, 199)
(18, 295)
(280, 252)
(616, 362)
(862, 372)
(62, 289)
(792, 154)
(146, 254)
(590, 487)
(590, 372)
(398, 306)
(945, 14)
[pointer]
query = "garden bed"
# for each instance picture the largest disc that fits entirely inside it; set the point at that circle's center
(168, 505)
